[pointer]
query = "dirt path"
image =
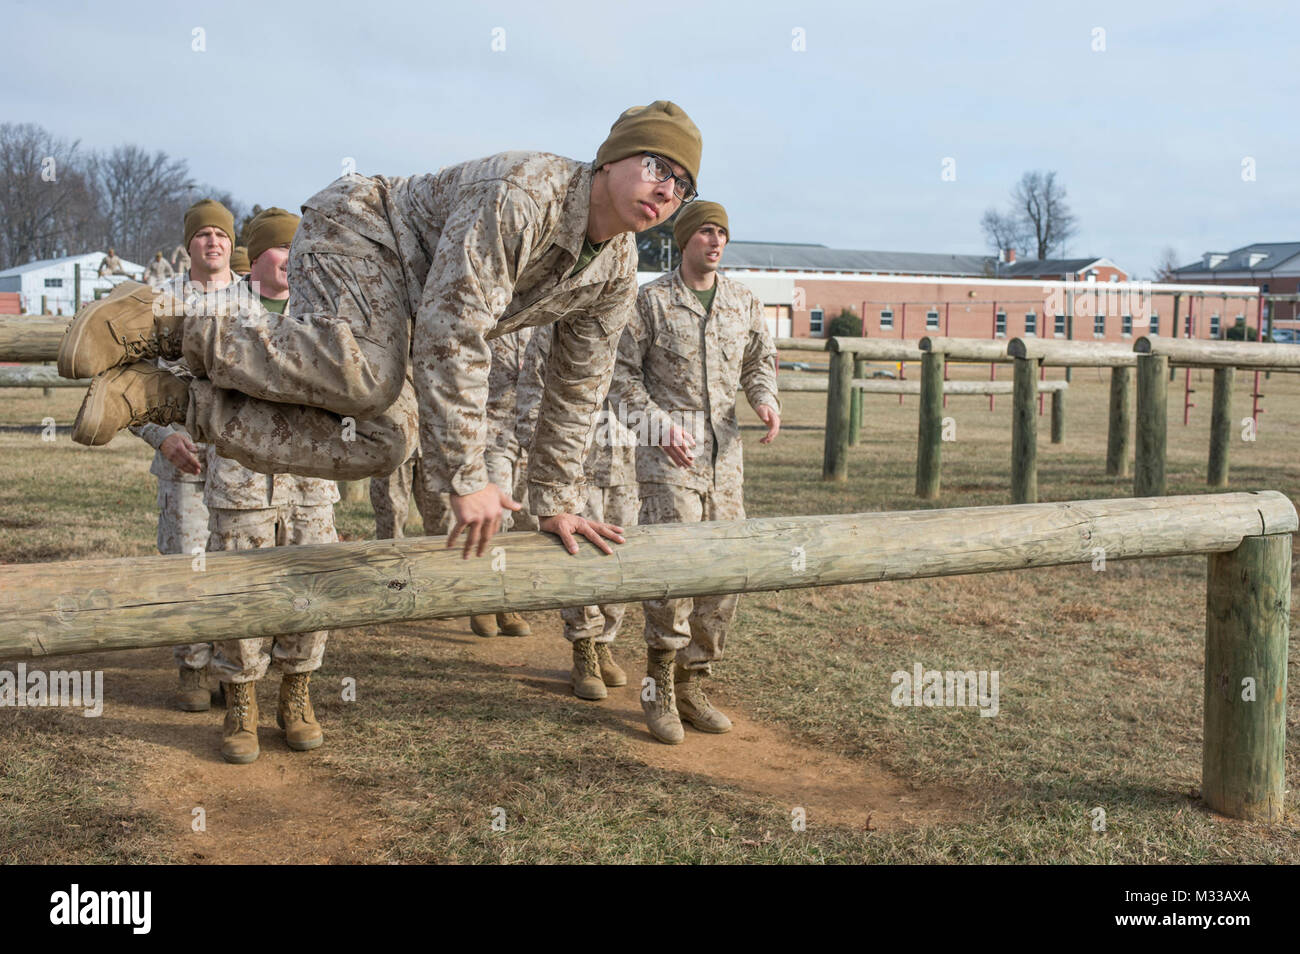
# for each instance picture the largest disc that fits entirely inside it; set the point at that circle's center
(287, 808)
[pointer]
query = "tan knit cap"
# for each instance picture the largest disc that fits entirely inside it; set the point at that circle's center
(207, 212)
(691, 217)
(269, 228)
(662, 128)
(239, 263)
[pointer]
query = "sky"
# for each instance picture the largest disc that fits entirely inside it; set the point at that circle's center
(855, 125)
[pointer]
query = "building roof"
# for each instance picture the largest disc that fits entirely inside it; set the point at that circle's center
(1050, 267)
(818, 258)
(1268, 256)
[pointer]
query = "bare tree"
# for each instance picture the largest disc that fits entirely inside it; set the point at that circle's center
(1167, 266)
(139, 195)
(1039, 220)
(1040, 202)
(47, 205)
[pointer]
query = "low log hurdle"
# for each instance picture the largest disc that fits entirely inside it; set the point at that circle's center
(99, 605)
(1155, 358)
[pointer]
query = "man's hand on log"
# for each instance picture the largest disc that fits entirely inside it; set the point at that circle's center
(479, 515)
(181, 452)
(566, 525)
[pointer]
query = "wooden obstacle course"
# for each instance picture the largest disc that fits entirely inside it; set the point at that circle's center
(99, 605)
(31, 337)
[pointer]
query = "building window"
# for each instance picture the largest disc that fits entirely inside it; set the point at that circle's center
(1126, 326)
(1099, 326)
(932, 320)
(1000, 325)
(815, 321)
(1214, 325)
(1060, 326)
(1031, 324)
(1187, 327)
(54, 283)
(1153, 326)
(886, 319)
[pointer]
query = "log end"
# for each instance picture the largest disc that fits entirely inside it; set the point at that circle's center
(1142, 345)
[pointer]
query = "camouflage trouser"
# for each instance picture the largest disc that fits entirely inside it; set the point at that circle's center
(696, 628)
(512, 477)
(325, 392)
(246, 660)
(390, 498)
(183, 528)
(616, 505)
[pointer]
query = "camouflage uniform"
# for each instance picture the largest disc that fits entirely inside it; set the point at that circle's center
(506, 462)
(399, 283)
(182, 513)
(180, 259)
(249, 511)
(390, 498)
(610, 473)
(676, 359)
(112, 265)
(157, 272)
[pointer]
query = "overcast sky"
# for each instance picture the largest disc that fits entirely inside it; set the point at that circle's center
(841, 143)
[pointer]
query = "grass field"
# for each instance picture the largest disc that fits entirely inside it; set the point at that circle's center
(1100, 678)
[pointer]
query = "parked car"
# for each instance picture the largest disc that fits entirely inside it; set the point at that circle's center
(1285, 335)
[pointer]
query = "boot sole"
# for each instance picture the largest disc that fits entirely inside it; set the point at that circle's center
(705, 727)
(241, 759)
(94, 403)
(506, 632)
(589, 698)
(194, 707)
(305, 746)
(613, 682)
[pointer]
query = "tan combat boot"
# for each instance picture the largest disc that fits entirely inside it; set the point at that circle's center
(512, 624)
(192, 695)
(585, 678)
(485, 624)
(657, 698)
(694, 706)
(239, 733)
(137, 394)
(611, 673)
(295, 715)
(120, 328)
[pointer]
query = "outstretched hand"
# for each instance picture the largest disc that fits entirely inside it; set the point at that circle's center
(479, 516)
(181, 452)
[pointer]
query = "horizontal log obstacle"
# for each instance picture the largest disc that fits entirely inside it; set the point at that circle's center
(1224, 358)
(98, 605)
(31, 337)
(888, 386)
(37, 376)
(800, 344)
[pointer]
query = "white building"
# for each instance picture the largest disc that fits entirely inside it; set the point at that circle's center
(55, 279)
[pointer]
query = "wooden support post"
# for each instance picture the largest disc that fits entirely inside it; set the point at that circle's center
(1152, 412)
(1058, 417)
(1121, 420)
(76, 288)
(1024, 433)
(839, 400)
(1220, 427)
(855, 406)
(1247, 622)
(929, 432)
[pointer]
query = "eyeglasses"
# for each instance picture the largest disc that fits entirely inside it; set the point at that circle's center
(658, 168)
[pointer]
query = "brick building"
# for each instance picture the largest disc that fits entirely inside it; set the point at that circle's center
(1272, 266)
(909, 295)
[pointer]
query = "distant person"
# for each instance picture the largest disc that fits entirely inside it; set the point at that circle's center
(112, 265)
(158, 271)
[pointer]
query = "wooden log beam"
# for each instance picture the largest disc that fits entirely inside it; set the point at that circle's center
(31, 337)
(967, 349)
(96, 605)
(1120, 422)
(1073, 354)
(950, 388)
(1247, 623)
(878, 349)
(37, 376)
(801, 384)
(801, 344)
(1152, 417)
(1253, 355)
